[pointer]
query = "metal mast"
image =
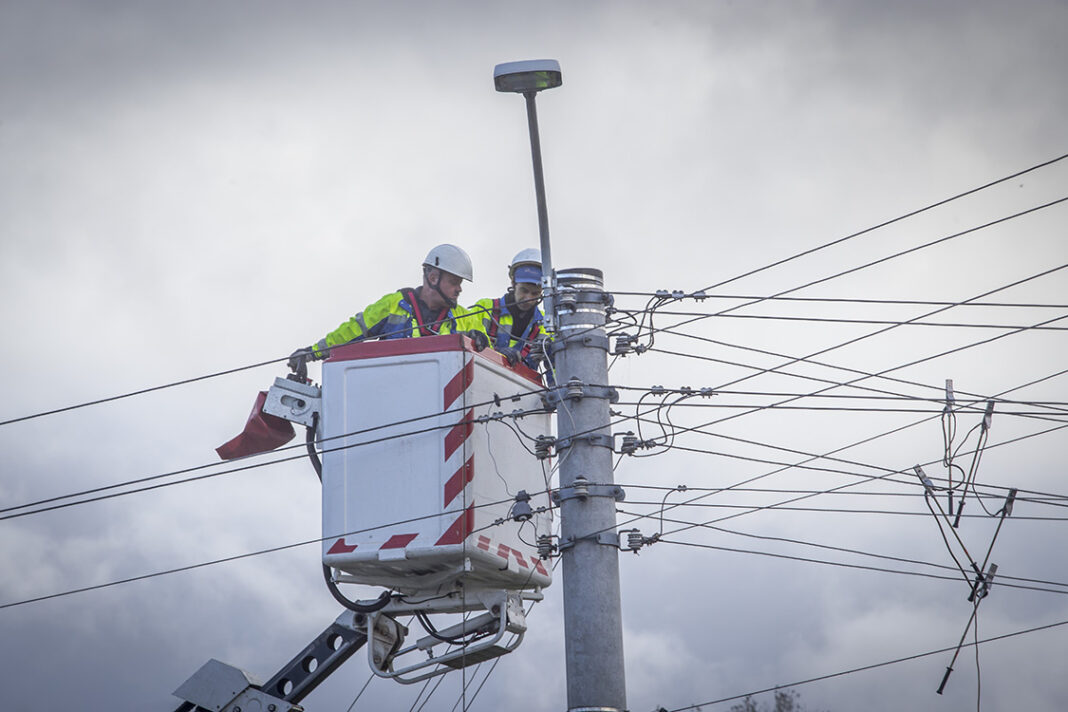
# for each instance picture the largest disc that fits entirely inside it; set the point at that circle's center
(575, 312)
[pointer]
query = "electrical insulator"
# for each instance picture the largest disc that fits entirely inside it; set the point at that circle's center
(635, 540)
(546, 548)
(581, 487)
(574, 388)
(543, 446)
(521, 511)
(629, 444)
(625, 344)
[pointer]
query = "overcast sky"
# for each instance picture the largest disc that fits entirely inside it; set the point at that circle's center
(188, 188)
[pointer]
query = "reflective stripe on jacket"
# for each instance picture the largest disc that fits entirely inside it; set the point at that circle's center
(396, 316)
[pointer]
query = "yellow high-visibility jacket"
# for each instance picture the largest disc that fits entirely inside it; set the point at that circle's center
(398, 316)
(497, 322)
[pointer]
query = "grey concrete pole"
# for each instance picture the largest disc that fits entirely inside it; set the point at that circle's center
(593, 628)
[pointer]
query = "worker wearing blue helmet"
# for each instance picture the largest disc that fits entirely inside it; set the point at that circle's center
(513, 322)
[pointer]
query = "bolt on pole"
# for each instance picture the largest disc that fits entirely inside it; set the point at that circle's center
(593, 624)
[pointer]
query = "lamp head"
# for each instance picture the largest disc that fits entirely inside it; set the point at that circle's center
(529, 76)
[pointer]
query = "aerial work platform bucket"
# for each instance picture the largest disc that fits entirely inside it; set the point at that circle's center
(422, 461)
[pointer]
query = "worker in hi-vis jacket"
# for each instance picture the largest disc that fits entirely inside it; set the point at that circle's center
(513, 322)
(427, 310)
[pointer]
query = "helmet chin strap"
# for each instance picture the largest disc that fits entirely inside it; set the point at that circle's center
(437, 288)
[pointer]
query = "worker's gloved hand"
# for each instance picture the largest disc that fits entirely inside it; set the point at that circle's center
(298, 360)
(478, 339)
(510, 355)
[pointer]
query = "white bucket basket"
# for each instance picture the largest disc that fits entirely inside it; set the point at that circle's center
(417, 470)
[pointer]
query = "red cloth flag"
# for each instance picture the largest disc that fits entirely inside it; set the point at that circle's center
(262, 432)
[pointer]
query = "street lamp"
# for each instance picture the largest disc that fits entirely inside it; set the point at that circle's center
(528, 78)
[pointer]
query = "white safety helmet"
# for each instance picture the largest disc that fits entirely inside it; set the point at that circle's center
(451, 259)
(526, 266)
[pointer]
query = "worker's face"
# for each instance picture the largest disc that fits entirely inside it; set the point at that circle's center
(449, 285)
(527, 296)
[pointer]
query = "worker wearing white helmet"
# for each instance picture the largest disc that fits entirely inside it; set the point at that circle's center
(427, 310)
(514, 322)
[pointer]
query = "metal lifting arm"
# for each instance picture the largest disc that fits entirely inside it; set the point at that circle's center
(223, 688)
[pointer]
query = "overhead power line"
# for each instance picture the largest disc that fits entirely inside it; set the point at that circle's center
(849, 300)
(886, 223)
(173, 384)
(238, 557)
(798, 683)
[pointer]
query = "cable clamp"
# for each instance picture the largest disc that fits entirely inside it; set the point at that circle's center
(927, 484)
(988, 416)
(982, 584)
(582, 489)
(1006, 509)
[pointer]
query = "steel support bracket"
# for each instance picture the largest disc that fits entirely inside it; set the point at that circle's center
(592, 439)
(584, 490)
(597, 341)
(604, 539)
(574, 390)
(294, 401)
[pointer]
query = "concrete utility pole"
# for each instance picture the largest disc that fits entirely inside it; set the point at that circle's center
(575, 312)
(593, 625)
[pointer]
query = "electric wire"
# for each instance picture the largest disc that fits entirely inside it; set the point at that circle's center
(887, 258)
(6, 515)
(187, 381)
(847, 300)
(838, 320)
(864, 668)
(238, 557)
(887, 223)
